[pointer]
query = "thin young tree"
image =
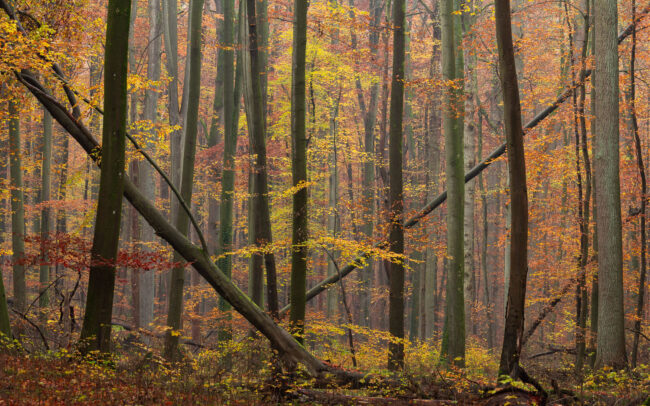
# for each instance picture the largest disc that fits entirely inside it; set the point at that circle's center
(224, 243)
(96, 329)
(634, 125)
(46, 215)
(453, 339)
(514, 323)
(17, 206)
(147, 278)
(182, 220)
(396, 197)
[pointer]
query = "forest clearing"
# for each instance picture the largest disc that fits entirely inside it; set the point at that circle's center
(387, 202)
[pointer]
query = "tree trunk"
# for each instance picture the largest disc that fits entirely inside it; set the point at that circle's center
(396, 198)
(300, 233)
(187, 177)
(611, 315)
(224, 245)
(254, 95)
(99, 303)
(514, 323)
(46, 216)
(147, 278)
(170, 31)
(17, 207)
(453, 340)
(634, 124)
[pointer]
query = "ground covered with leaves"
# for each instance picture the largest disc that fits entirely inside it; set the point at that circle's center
(242, 375)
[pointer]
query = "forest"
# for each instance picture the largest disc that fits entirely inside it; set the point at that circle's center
(390, 202)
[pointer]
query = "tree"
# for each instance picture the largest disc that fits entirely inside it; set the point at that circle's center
(46, 216)
(300, 234)
(147, 278)
(255, 100)
(514, 324)
(634, 124)
(17, 207)
(97, 325)
(453, 340)
(182, 219)
(396, 193)
(611, 316)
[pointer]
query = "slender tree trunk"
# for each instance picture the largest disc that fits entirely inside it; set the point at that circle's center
(487, 303)
(396, 197)
(254, 95)
(99, 303)
(453, 341)
(256, 262)
(17, 207)
(514, 324)
(5, 327)
(215, 134)
(187, 177)
(224, 246)
(300, 233)
(46, 215)
(611, 314)
(170, 31)
(147, 278)
(644, 193)
(584, 202)
(333, 219)
(465, 66)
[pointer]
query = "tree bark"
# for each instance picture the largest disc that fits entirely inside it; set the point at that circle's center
(224, 244)
(396, 193)
(96, 327)
(514, 323)
(453, 340)
(634, 124)
(46, 215)
(17, 207)
(147, 278)
(175, 310)
(611, 315)
(300, 233)
(256, 123)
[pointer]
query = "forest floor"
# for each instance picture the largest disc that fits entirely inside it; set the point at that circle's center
(60, 378)
(239, 373)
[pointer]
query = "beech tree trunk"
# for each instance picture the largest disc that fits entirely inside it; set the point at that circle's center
(453, 340)
(224, 243)
(396, 197)
(300, 233)
(634, 124)
(514, 323)
(256, 125)
(96, 329)
(611, 315)
(182, 220)
(17, 207)
(46, 215)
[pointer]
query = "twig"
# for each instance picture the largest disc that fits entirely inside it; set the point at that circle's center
(40, 332)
